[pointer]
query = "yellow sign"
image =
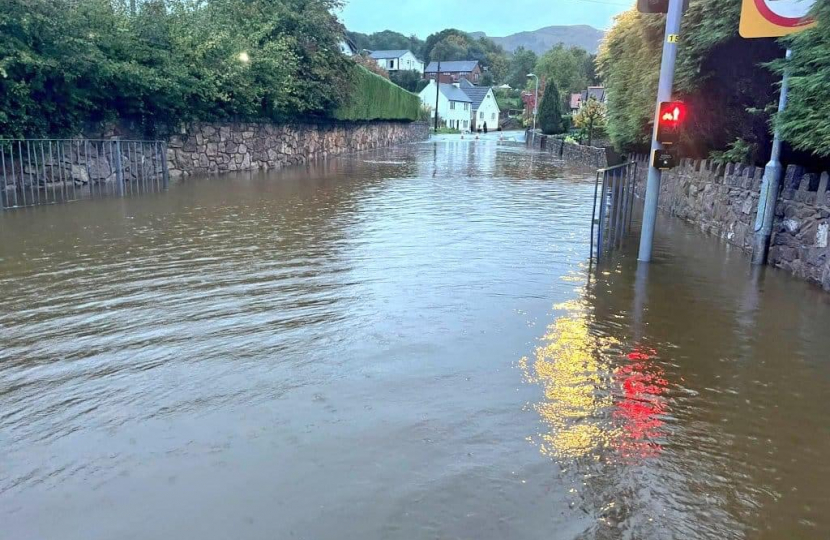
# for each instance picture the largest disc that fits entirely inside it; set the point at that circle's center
(774, 18)
(673, 38)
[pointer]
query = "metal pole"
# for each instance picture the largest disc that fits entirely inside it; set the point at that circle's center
(437, 92)
(602, 210)
(535, 104)
(164, 167)
(770, 184)
(594, 214)
(664, 90)
(119, 171)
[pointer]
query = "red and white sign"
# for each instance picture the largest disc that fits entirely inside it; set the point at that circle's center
(774, 18)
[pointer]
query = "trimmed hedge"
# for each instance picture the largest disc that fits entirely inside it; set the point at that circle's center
(371, 97)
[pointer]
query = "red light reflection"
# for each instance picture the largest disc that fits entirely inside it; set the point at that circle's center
(639, 411)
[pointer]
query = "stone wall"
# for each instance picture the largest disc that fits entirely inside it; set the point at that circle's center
(576, 154)
(722, 200)
(214, 148)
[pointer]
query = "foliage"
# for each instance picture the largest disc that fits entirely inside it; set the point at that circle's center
(719, 75)
(385, 41)
(805, 123)
(452, 44)
(375, 98)
(522, 63)
(508, 99)
(550, 110)
(371, 65)
(446, 131)
(171, 61)
(487, 79)
(570, 67)
(590, 118)
(409, 80)
(738, 151)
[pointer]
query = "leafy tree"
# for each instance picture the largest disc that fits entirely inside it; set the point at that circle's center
(568, 65)
(550, 110)
(410, 80)
(719, 74)
(487, 79)
(805, 122)
(386, 40)
(451, 48)
(434, 39)
(521, 63)
(452, 44)
(590, 118)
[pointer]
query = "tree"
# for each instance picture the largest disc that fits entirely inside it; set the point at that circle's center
(550, 111)
(521, 63)
(451, 48)
(568, 66)
(805, 123)
(410, 80)
(719, 75)
(590, 118)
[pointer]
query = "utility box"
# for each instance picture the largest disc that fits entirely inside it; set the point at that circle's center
(664, 160)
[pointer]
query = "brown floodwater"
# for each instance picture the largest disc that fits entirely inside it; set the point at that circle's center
(400, 344)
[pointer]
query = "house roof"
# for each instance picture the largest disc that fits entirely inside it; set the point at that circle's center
(596, 92)
(476, 94)
(454, 93)
(378, 55)
(464, 83)
(576, 100)
(453, 66)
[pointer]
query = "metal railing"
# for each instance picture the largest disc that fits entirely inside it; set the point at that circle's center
(614, 202)
(48, 171)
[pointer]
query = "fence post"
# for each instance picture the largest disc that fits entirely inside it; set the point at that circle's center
(119, 171)
(164, 168)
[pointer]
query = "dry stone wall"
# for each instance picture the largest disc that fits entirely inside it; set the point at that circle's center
(722, 200)
(215, 148)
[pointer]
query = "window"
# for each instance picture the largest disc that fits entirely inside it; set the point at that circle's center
(466, 106)
(391, 64)
(493, 116)
(452, 105)
(466, 124)
(481, 115)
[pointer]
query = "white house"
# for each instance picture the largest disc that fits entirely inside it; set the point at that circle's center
(401, 60)
(454, 106)
(485, 107)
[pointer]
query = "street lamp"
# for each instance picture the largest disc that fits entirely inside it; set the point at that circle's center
(535, 100)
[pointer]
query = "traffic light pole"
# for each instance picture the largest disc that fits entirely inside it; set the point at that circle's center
(664, 90)
(770, 185)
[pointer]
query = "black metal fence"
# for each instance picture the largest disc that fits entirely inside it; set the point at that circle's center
(48, 171)
(613, 207)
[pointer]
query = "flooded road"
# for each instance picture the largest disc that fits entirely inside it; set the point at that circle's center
(401, 344)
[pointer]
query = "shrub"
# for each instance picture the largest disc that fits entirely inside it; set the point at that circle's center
(371, 97)
(550, 111)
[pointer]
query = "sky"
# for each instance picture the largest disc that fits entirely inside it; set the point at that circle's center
(494, 17)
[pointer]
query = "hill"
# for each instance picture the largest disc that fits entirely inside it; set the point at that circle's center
(539, 41)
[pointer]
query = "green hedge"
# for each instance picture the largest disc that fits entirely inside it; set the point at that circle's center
(371, 97)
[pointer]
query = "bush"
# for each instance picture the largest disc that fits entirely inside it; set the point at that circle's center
(550, 111)
(172, 61)
(371, 97)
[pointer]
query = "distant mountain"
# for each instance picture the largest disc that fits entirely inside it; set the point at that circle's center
(540, 41)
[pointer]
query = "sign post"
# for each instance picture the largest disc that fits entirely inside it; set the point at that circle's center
(764, 19)
(664, 90)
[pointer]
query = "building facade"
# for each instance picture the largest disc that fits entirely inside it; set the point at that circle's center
(398, 60)
(454, 70)
(454, 106)
(485, 108)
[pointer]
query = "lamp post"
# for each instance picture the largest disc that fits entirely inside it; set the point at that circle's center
(437, 92)
(535, 99)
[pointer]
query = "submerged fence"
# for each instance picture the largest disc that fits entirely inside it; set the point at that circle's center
(614, 202)
(47, 171)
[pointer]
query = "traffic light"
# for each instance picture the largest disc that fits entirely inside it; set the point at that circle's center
(671, 117)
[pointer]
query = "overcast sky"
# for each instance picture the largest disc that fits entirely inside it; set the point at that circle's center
(495, 17)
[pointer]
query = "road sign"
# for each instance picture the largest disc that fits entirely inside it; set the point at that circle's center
(774, 18)
(669, 120)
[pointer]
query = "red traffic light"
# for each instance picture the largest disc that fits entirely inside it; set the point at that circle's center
(671, 117)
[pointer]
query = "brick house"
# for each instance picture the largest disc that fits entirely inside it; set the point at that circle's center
(452, 71)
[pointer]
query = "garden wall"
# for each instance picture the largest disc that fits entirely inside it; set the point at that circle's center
(722, 200)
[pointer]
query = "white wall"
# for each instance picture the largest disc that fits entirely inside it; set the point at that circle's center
(407, 62)
(490, 109)
(449, 115)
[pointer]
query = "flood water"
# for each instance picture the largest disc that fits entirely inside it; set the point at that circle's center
(400, 344)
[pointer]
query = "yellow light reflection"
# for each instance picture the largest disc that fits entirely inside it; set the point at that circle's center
(576, 386)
